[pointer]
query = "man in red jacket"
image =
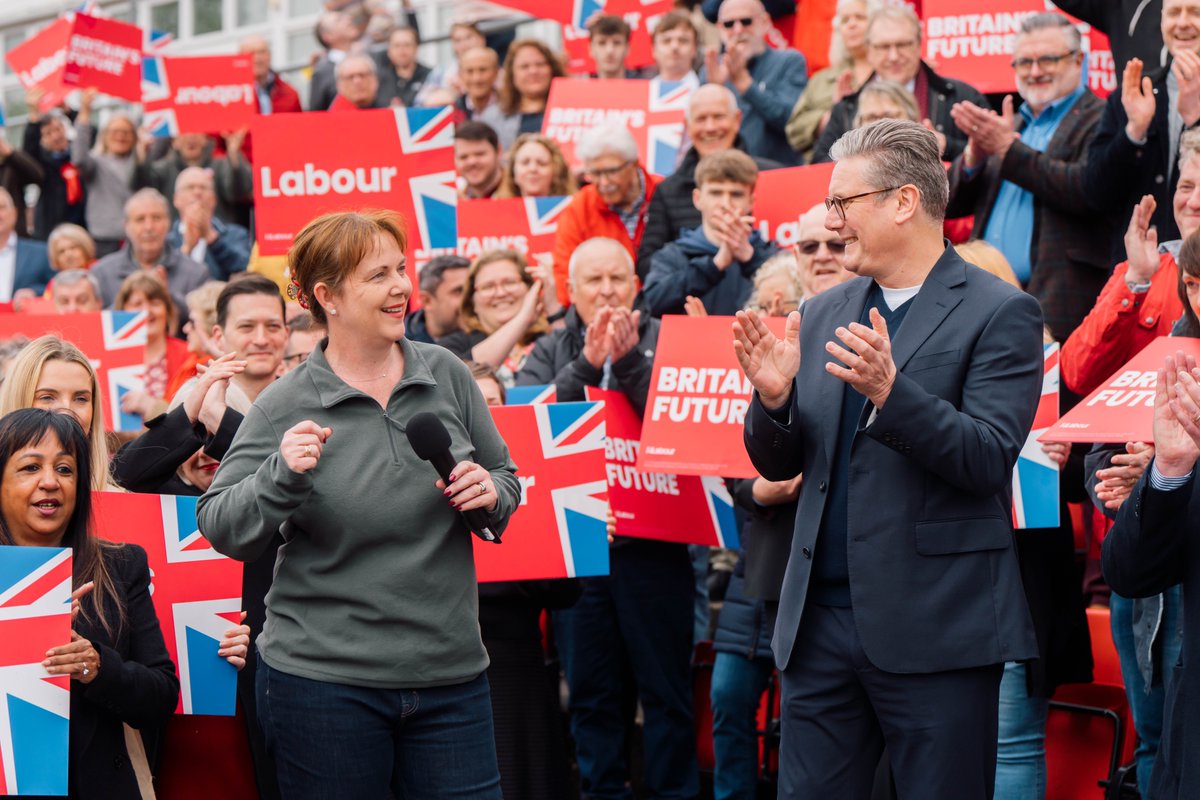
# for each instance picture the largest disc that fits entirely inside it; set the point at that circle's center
(273, 94)
(614, 204)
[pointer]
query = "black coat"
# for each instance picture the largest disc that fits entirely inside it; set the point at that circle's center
(943, 94)
(1132, 27)
(1151, 548)
(149, 464)
(136, 683)
(671, 209)
(1120, 172)
(52, 207)
(766, 540)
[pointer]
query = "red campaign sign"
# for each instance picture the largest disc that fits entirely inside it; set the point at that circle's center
(41, 61)
(401, 158)
(115, 343)
(654, 505)
(698, 401)
(559, 530)
(977, 46)
(524, 224)
(200, 94)
(783, 195)
(80, 52)
(1122, 408)
(653, 110)
(197, 591)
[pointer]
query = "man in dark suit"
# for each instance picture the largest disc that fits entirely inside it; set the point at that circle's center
(1134, 152)
(23, 262)
(1021, 175)
(902, 597)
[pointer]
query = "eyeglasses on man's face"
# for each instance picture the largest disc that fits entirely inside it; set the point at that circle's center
(1044, 63)
(839, 204)
(607, 173)
(809, 247)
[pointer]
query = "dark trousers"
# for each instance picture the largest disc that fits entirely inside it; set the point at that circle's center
(332, 741)
(839, 710)
(637, 621)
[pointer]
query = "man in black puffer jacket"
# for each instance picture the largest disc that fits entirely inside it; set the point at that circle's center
(643, 608)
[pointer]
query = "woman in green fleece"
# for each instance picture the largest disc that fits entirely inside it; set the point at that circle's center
(372, 673)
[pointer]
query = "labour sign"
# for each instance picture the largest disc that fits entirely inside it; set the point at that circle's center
(782, 195)
(201, 94)
(698, 401)
(1122, 408)
(402, 159)
(82, 52)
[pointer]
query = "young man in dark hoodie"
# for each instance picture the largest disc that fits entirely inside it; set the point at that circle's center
(715, 262)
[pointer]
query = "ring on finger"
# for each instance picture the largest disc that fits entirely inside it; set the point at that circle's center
(482, 487)
(308, 451)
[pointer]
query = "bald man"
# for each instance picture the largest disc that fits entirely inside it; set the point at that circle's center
(712, 122)
(477, 70)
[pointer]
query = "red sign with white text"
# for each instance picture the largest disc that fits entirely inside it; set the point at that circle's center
(524, 224)
(653, 111)
(41, 60)
(115, 343)
(400, 158)
(559, 530)
(198, 94)
(1122, 408)
(961, 41)
(79, 52)
(698, 401)
(783, 195)
(656, 505)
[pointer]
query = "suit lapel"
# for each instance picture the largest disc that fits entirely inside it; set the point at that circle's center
(829, 391)
(937, 298)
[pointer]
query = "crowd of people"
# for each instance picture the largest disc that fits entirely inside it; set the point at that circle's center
(273, 386)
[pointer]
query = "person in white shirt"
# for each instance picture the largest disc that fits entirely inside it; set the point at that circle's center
(23, 262)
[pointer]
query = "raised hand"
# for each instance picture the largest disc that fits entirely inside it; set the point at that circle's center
(694, 307)
(769, 362)
(1141, 242)
(597, 339)
(1176, 417)
(1137, 98)
(623, 333)
(219, 369)
(870, 369)
(302, 444)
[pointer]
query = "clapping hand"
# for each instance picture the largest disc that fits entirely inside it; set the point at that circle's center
(1141, 243)
(770, 363)
(1117, 481)
(1177, 416)
(597, 339)
(870, 369)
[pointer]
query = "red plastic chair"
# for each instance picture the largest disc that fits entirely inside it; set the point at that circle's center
(1089, 730)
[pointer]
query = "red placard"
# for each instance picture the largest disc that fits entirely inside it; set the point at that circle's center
(401, 158)
(524, 224)
(41, 60)
(782, 195)
(115, 343)
(200, 94)
(1122, 408)
(105, 54)
(653, 110)
(962, 41)
(698, 401)
(654, 505)
(197, 591)
(559, 530)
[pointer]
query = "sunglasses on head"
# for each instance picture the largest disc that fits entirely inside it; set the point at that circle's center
(745, 22)
(811, 246)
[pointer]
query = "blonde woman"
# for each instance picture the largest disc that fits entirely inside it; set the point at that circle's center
(70, 246)
(107, 170)
(536, 168)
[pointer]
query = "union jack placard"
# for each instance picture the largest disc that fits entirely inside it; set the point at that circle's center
(559, 528)
(1035, 476)
(196, 590)
(115, 343)
(35, 707)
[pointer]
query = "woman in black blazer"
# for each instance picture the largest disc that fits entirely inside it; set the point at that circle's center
(119, 668)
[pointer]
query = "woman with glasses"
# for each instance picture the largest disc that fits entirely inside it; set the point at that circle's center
(503, 312)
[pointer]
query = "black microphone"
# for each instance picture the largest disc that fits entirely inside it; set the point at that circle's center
(431, 442)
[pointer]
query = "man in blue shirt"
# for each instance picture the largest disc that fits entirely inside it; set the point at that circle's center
(1021, 175)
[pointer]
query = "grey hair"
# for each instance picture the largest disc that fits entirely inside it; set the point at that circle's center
(69, 277)
(782, 263)
(1048, 20)
(1189, 146)
(190, 171)
(898, 153)
(898, 13)
(366, 59)
(149, 193)
(839, 56)
(610, 138)
(889, 90)
(710, 88)
(595, 243)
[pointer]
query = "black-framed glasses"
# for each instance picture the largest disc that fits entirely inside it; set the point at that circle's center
(745, 22)
(1044, 63)
(839, 204)
(597, 175)
(809, 247)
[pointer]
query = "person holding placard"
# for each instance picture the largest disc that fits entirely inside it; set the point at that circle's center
(393, 695)
(904, 397)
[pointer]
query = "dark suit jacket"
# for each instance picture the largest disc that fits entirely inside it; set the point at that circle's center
(934, 579)
(1119, 172)
(33, 266)
(1070, 245)
(136, 684)
(1151, 548)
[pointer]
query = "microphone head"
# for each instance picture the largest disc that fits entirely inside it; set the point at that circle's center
(427, 435)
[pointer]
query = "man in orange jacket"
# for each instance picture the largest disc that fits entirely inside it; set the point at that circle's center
(614, 204)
